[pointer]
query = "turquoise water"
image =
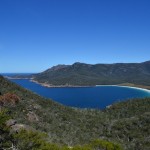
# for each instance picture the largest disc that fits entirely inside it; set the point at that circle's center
(84, 97)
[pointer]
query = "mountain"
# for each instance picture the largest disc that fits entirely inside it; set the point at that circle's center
(126, 123)
(81, 74)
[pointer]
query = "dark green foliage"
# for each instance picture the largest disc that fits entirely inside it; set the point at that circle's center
(26, 140)
(33, 140)
(104, 145)
(129, 108)
(85, 74)
(5, 137)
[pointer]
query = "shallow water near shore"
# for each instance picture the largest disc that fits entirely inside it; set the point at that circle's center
(84, 97)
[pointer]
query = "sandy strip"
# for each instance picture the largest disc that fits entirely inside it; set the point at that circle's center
(57, 86)
(15, 78)
(146, 90)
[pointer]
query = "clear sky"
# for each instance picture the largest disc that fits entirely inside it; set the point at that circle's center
(37, 34)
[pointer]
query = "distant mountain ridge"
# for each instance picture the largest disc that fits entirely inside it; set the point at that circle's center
(81, 74)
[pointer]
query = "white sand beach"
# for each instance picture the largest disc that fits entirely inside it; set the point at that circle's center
(138, 88)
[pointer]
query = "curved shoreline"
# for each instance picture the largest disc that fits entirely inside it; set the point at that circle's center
(58, 86)
(15, 78)
(52, 86)
(133, 87)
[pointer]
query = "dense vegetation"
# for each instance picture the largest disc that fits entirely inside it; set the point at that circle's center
(25, 139)
(86, 74)
(124, 123)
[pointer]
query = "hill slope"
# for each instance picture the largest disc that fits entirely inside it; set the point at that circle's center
(126, 122)
(85, 74)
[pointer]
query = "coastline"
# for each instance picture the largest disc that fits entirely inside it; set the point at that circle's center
(58, 86)
(15, 78)
(126, 86)
(119, 85)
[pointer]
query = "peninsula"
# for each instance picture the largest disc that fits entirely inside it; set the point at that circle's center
(81, 74)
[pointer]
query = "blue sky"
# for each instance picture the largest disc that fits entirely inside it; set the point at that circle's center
(37, 34)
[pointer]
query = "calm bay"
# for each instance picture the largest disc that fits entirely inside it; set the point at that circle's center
(84, 97)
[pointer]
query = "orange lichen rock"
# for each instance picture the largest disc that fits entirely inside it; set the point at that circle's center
(9, 98)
